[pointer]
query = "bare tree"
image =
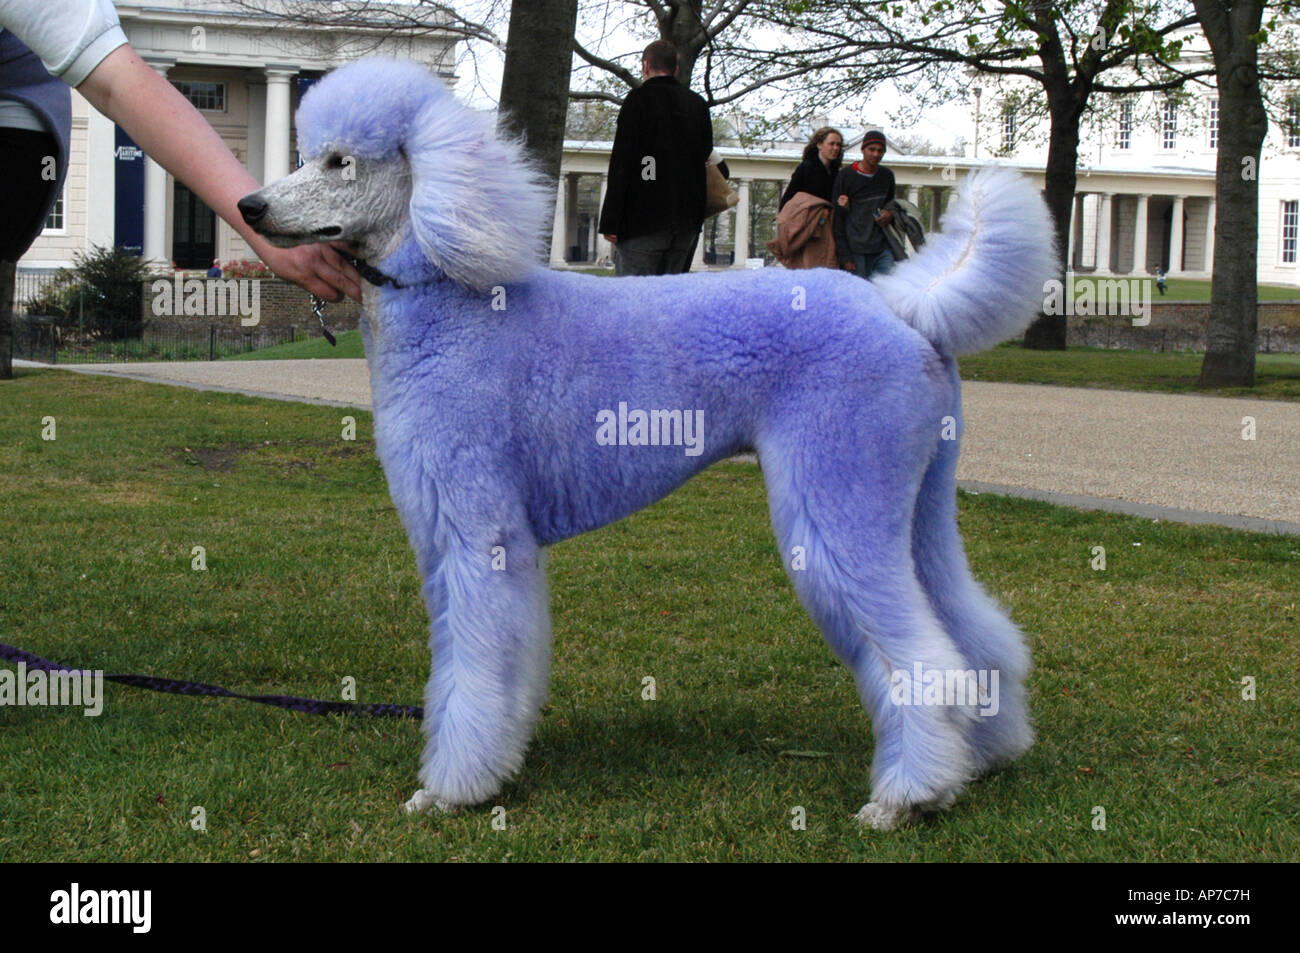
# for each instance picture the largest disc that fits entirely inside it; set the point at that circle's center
(1069, 49)
(690, 25)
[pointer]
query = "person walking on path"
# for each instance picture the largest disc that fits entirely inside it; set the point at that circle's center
(860, 193)
(656, 192)
(821, 164)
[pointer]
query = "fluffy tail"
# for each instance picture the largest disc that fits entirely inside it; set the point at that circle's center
(982, 279)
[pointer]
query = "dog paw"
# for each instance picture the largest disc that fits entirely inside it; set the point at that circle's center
(423, 801)
(882, 817)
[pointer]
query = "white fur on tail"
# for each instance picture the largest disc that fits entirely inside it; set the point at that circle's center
(982, 279)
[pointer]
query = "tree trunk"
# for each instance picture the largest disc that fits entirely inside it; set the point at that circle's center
(1047, 333)
(683, 29)
(535, 82)
(1234, 317)
(7, 269)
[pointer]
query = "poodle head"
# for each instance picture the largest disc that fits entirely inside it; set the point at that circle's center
(418, 182)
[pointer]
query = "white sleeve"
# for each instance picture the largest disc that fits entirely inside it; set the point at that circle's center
(71, 37)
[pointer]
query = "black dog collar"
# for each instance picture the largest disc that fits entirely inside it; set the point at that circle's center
(373, 274)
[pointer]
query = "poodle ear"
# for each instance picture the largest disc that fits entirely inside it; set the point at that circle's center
(478, 205)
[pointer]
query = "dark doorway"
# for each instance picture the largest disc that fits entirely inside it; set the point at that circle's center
(194, 230)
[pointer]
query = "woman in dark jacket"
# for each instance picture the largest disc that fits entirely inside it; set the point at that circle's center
(821, 162)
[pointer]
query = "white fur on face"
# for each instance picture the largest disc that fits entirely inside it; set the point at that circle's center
(339, 197)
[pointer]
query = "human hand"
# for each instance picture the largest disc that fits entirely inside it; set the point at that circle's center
(849, 266)
(319, 269)
(844, 201)
(612, 239)
(885, 217)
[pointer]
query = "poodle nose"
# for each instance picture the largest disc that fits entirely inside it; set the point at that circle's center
(252, 208)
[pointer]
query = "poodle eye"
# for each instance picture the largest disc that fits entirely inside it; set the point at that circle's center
(334, 162)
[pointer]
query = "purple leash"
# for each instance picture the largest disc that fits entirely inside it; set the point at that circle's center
(309, 705)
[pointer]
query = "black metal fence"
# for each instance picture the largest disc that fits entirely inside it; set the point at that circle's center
(79, 334)
(64, 341)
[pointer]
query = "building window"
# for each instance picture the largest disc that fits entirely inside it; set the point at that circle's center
(1008, 127)
(1214, 124)
(209, 96)
(1125, 138)
(54, 221)
(1290, 213)
(1169, 125)
(1293, 123)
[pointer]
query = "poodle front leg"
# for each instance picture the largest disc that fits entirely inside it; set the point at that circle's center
(491, 642)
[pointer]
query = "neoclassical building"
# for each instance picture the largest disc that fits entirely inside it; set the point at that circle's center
(1145, 187)
(1145, 194)
(1155, 215)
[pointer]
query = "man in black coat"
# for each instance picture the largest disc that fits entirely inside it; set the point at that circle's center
(655, 196)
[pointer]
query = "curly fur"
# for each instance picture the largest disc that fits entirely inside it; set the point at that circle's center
(490, 390)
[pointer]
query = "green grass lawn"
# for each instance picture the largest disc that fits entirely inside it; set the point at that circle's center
(1192, 289)
(1136, 691)
(1277, 375)
(349, 345)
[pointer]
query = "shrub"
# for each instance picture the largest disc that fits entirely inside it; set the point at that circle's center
(112, 281)
(58, 298)
(247, 268)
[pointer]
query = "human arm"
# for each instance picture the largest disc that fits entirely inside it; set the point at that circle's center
(611, 211)
(794, 188)
(165, 125)
(839, 222)
(886, 216)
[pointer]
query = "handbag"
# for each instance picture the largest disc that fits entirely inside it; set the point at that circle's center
(719, 195)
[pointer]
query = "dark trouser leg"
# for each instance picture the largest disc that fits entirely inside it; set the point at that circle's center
(24, 170)
(884, 262)
(6, 320)
(642, 255)
(877, 263)
(677, 260)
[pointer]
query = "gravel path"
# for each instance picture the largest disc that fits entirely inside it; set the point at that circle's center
(1159, 455)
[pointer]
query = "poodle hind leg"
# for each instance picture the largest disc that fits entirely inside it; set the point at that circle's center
(491, 642)
(849, 557)
(991, 643)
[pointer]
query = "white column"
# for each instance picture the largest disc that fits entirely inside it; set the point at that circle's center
(602, 246)
(1140, 237)
(1210, 214)
(571, 214)
(1176, 237)
(101, 179)
(742, 224)
(558, 230)
(697, 262)
(276, 146)
(155, 203)
(907, 192)
(1103, 233)
(255, 160)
